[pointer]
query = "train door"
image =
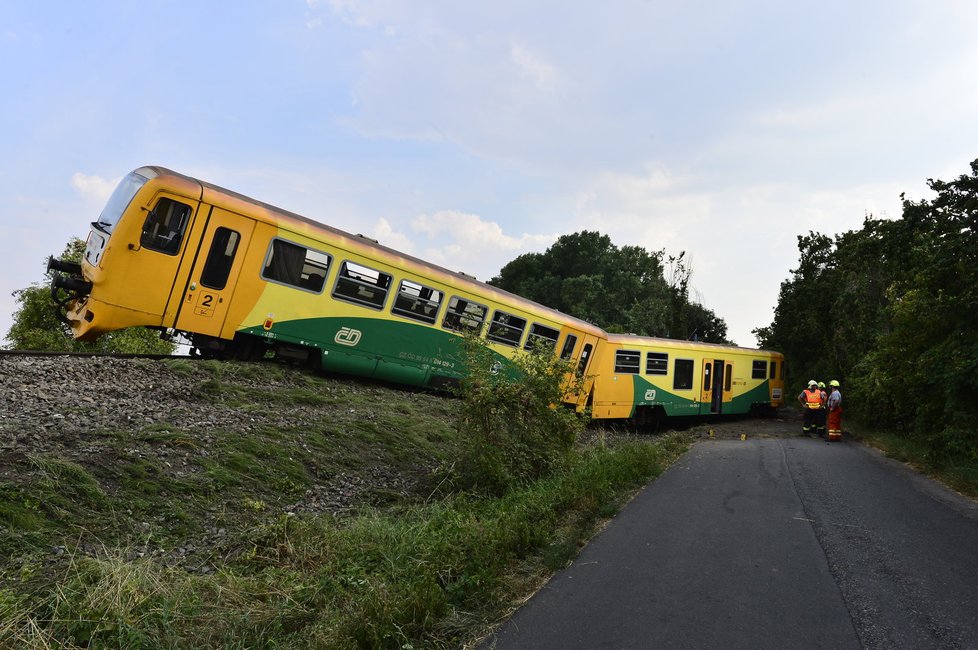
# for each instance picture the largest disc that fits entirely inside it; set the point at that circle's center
(727, 394)
(714, 371)
(580, 348)
(209, 288)
(161, 238)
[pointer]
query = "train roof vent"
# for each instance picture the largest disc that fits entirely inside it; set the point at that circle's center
(362, 236)
(466, 275)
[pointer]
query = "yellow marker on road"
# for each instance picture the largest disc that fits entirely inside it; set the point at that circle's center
(743, 436)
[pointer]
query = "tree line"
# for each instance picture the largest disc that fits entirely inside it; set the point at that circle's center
(623, 289)
(891, 310)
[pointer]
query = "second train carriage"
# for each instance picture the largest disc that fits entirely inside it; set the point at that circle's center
(645, 378)
(241, 277)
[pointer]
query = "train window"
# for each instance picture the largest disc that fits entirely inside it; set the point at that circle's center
(759, 370)
(683, 374)
(296, 266)
(120, 200)
(220, 258)
(657, 363)
(506, 328)
(362, 285)
(585, 357)
(463, 315)
(774, 365)
(628, 361)
(542, 335)
(417, 301)
(728, 377)
(164, 226)
(569, 343)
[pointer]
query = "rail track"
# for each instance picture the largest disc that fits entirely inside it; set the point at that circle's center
(112, 355)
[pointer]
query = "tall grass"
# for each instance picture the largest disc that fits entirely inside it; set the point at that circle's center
(434, 575)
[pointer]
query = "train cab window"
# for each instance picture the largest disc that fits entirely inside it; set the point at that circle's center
(362, 285)
(506, 328)
(541, 335)
(683, 374)
(568, 350)
(220, 258)
(774, 366)
(296, 266)
(120, 199)
(657, 363)
(164, 226)
(759, 370)
(628, 361)
(417, 302)
(463, 315)
(585, 357)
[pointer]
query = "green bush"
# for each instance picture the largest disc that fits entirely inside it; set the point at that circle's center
(512, 424)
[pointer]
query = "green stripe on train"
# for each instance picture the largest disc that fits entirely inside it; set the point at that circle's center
(389, 350)
(646, 393)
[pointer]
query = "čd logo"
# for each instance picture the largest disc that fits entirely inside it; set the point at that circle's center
(348, 336)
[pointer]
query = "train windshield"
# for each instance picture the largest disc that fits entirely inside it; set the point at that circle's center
(119, 200)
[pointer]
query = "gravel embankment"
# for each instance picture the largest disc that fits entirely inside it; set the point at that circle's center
(62, 406)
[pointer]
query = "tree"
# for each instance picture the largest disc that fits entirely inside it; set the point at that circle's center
(36, 327)
(892, 310)
(619, 289)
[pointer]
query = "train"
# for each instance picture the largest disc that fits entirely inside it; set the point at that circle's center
(239, 278)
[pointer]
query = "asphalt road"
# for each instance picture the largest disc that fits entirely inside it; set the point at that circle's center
(769, 543)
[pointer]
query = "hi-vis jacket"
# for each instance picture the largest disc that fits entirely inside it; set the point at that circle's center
(813, 398)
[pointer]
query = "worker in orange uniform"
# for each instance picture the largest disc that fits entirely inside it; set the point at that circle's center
(835, 411)
(811, 401)
(822, 412)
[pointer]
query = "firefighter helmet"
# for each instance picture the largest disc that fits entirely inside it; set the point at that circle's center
(834, 382)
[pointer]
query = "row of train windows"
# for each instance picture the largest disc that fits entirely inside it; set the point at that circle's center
(760, 370)
(304, 268)
(657, 363)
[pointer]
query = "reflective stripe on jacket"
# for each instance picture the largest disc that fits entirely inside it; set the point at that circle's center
(813, 398)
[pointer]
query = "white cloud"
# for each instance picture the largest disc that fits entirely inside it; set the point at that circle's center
(464, 242)
(95, 188)
(470, 230)
(353, 12)
(532, 66)
(385, 233)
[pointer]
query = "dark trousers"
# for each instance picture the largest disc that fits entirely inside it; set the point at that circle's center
(810, 420)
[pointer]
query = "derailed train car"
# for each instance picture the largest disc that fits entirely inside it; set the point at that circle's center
(645, 379)
(243, 279)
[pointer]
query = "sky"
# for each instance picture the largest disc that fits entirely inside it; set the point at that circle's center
(469, 133)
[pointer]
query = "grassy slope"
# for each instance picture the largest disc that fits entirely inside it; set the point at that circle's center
(340, 532)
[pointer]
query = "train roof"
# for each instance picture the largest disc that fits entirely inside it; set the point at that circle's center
(220, 195)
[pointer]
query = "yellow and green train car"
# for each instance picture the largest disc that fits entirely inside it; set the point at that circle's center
(644, 379)
(240, 278)
(244, 279)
